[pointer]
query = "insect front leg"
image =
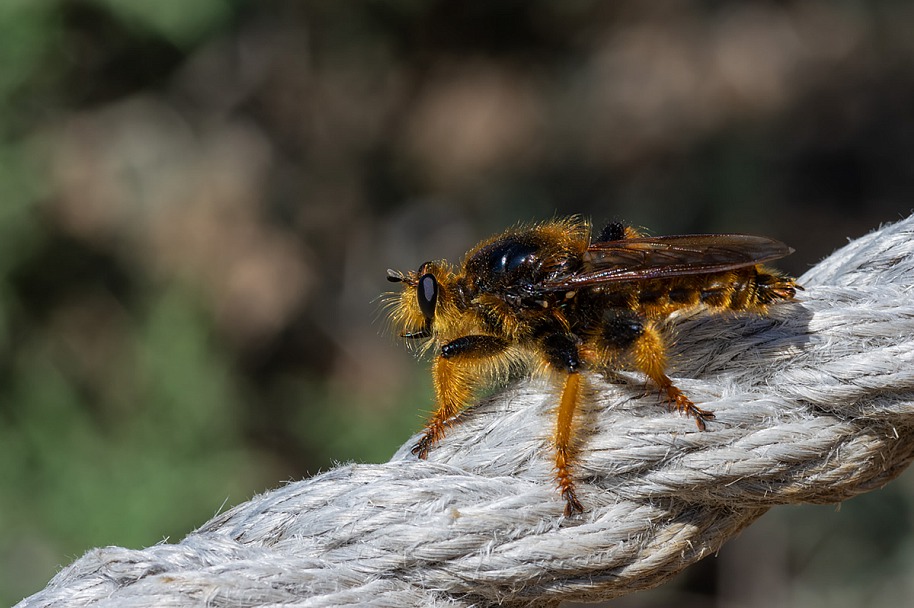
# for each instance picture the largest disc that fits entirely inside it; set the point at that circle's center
(455, 373)
(626, 330)
(561, 352)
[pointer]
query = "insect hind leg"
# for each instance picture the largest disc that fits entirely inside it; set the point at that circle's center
(649, 354)
(627, 331)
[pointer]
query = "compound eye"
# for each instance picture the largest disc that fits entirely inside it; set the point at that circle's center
(427, 292)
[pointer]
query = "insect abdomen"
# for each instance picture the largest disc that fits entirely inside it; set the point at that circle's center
(748, 288)
(742, 289)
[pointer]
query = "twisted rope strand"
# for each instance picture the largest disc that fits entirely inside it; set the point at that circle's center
(814, 403)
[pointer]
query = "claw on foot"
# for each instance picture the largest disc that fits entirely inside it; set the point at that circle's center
(572, 505)
(421, 448)
(684, 405)
(433, 432)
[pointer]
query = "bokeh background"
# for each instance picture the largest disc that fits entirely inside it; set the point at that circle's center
(199, 200)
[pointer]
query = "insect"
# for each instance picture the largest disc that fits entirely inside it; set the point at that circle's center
(551, 297)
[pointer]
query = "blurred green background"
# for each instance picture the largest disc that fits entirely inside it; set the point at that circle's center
(199, 200)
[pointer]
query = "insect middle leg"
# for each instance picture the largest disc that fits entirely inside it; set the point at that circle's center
(627, 331)
(456, 372)
(561, 352)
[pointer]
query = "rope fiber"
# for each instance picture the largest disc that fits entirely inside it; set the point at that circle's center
(813, 403)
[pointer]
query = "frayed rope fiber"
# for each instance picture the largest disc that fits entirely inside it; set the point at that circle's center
(814, 403)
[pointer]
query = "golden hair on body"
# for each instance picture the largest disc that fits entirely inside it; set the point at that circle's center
(552, 297)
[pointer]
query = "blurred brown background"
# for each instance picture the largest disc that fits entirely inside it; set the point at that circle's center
(200, 200)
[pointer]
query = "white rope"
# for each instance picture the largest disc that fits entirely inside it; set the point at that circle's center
(814, 403)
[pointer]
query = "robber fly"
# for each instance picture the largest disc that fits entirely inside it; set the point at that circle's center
(551, 297)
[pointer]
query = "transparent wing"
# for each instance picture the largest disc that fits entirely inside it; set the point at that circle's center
(668, 256)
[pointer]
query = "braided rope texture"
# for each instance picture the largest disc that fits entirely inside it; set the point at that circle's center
(814, 403)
